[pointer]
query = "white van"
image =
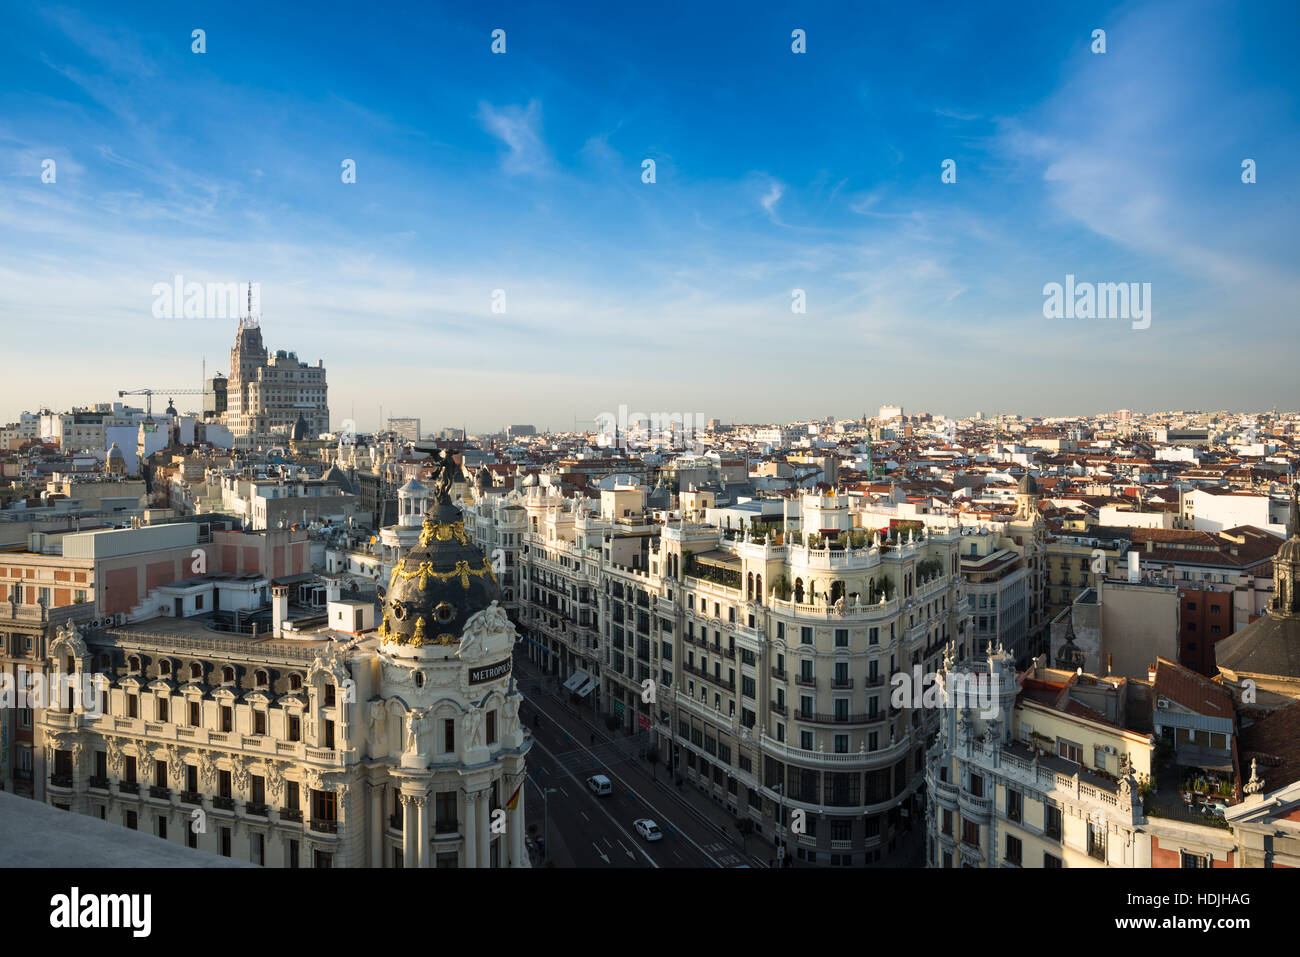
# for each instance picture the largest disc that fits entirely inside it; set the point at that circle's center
(600, 785)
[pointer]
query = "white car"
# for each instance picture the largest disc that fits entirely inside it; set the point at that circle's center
(648, 829)
(600, 785)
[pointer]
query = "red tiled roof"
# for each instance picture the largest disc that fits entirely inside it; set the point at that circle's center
(1191, 690)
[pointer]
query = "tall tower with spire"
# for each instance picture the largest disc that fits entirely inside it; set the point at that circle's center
(268, 394)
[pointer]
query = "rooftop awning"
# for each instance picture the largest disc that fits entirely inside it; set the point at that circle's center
(575, 680)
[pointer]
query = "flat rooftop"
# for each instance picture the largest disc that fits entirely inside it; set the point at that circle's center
(33, 834)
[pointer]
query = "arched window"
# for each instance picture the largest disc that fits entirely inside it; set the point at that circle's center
(295, 682)
(261, 679)
(758, 588)
(196, 671)
(228, 674)
(133, 664)
(165, 668)
(749, 587)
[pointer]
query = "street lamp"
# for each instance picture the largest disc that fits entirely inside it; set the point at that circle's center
(546, 815)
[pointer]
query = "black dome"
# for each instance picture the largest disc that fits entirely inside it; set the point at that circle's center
(442, 582)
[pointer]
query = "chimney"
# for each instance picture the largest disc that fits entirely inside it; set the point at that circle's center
(1151, 672)
(1133, 559)
(1109, 663)
(333, 589)
(279, 608)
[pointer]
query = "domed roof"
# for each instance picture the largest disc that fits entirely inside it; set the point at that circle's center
(412, 487)
(115, 453)
(442, 582)
(530, 480)
(300, 429)
(1028, 486)
(483, 479)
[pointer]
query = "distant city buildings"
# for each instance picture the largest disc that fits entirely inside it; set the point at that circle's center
(779, 586)
(408, 430)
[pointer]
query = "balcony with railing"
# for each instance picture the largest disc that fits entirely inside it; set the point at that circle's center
(779, 675)
(61, 780)
(446, 827)
(99, 783)
(817, 717)
(842, 684)
(261, 810)
(291, 814)
(161, 793)
(128, 787)
(191, 797)
(223, 803)
(324, 825)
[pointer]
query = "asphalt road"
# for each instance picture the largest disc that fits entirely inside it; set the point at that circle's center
(598, 831)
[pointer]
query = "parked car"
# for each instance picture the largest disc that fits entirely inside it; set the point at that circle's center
(600, 785)
(648, 829)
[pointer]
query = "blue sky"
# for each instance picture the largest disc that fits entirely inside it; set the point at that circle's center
(775, 171)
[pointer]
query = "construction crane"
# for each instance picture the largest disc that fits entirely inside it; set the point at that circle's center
(148, 394)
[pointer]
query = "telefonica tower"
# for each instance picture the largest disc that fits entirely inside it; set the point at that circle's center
(267, 393)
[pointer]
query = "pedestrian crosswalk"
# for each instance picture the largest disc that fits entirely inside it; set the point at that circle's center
(725, 854)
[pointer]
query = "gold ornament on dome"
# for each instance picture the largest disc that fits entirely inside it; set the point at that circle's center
(443, 532)
(418, 637)
(425, 571)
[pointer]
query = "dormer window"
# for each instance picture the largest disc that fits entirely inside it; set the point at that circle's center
(295, 682)
(261, 679)
(228, 675)
(165, 668)
(196, 672)
(133, 664)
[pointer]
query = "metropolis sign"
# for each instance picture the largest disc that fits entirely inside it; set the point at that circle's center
(489, 673)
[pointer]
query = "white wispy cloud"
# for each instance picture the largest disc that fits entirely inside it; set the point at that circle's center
(773, 196)
(520, 129)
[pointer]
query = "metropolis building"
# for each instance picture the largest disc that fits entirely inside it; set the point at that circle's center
(332, 742)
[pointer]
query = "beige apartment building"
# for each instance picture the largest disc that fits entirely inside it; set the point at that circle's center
(1043, 771)
(759, 668)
